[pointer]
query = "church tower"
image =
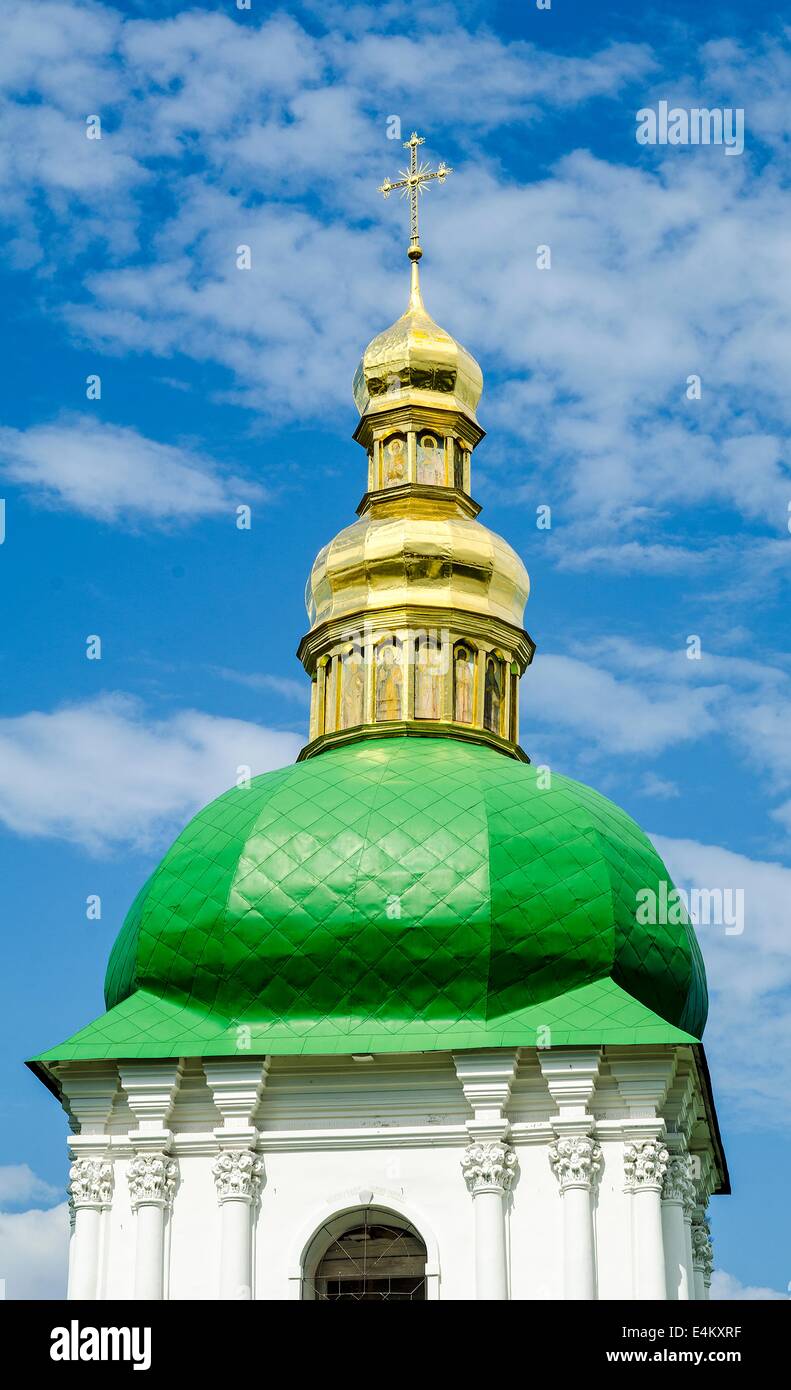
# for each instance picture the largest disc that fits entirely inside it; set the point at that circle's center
(394, 1022)
(416, 609)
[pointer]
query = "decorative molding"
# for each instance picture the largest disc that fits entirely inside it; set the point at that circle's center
(486, 1080)
(645, 1164)
(488, 1167)
(575, 1161)
(152, 1179)
(237, 1174)
(702, 1252)
(151, 1089)
(236, 1084)
(91, 1183)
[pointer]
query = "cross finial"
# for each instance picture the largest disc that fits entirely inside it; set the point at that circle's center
(412, 183)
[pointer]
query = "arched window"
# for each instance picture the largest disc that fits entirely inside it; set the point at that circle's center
(463, 683)
(513, 707)
(389, 681)
(330, 693)
(428, 677)
(458, 465)
(375, 1258)
(493, 695)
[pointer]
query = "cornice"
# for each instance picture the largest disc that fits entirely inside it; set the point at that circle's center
(381, 418)
(413, 728)
(489, 631)
(380, 501)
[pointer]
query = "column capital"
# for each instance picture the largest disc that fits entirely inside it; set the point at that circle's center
(677, 1185)
(576, 1161)
(237, 1175)
(702, 1251)
(645, 1164)
(91, 1183)
(152, 1179)
(489, 1167)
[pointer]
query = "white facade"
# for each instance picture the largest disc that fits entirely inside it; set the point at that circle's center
(567, 1173)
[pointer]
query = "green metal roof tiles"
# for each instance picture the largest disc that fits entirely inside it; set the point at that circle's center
(398, 895)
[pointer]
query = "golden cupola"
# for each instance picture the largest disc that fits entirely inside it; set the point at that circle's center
(416, 609)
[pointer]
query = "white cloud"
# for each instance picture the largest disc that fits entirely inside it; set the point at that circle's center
(727, 1286)
(749, 978)
(102, 774)
(34, 1248)
(619, 715)
(648, 699)
(298, 692)
(114, 473)
(18, 1183)
(658, 787)
(596, 387)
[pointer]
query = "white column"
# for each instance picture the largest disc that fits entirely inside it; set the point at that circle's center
(152, 1181)
(645, 1165)
(689, 1208)
(702, 1258)
(489, 1170)
(91, 1190)
(237, 1175)
(676, 1190)
(576, 1160)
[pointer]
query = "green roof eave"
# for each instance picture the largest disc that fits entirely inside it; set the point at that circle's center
(144, 1025)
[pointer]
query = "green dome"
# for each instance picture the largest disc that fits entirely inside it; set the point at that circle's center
(400, 894)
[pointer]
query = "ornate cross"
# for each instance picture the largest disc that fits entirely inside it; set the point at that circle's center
(412, 183)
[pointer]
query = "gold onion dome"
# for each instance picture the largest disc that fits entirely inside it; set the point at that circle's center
(415, 360)
(416, 609)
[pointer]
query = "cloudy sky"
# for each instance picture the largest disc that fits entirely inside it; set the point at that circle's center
(220, 387)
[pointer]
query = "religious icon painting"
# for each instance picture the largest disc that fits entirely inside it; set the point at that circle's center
(493, 695)
(352, 688)
(394, 462)
(431, 460)
(389, 681)
(463, 677)
(429, 678)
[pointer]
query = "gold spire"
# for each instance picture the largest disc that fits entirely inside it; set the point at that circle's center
(415, 362)
(416, 609)
(412, 183)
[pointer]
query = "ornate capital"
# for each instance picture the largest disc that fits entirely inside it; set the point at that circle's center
(645, 1164)
(488, 1166)
(237, 1173)
(678, 1185)
(702, 1252)
(576, 1161)
(152, 1179)
(91, 1182)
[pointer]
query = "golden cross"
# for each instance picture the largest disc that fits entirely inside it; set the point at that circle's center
(412, 183)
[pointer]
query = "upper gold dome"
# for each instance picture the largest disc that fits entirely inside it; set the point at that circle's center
(415, 361)
(425, 555)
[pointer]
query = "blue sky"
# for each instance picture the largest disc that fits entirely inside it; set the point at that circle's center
(670, 516)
